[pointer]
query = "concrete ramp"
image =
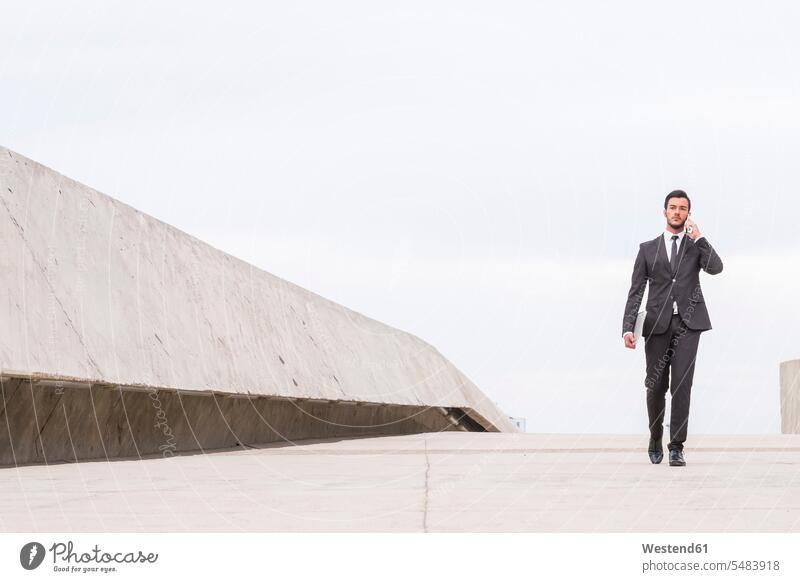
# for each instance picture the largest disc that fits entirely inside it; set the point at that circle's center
(123, 336)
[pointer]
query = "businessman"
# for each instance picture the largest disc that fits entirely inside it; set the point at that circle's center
(675, 317)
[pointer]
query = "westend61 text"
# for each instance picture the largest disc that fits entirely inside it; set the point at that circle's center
(65, 554)
(670, 549)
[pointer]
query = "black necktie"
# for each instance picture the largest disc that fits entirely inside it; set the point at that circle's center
(673, 259)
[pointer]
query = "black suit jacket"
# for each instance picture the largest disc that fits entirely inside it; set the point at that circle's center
(682, 286)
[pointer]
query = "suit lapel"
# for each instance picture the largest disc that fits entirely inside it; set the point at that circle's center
(660, 255)
(682, 251)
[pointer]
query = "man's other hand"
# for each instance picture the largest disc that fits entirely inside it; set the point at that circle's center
(629, 341)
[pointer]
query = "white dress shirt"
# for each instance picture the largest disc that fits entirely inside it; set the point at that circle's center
(668, 242)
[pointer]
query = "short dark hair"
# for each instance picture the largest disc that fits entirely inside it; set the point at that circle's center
(677, 194)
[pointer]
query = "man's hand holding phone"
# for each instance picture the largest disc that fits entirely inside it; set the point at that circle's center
(692, 229)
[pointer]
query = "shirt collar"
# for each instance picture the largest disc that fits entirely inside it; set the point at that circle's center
(668, 236)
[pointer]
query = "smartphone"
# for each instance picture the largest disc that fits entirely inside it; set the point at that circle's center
(689, 229)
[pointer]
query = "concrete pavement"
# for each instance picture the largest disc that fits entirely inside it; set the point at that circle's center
(449, 481)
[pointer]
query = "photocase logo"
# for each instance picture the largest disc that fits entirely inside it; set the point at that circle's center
(31, 555)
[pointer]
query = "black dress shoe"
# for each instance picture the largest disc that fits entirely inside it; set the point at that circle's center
(655, 452)
(676, 459)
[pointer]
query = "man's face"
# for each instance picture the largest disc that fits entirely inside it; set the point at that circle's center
(677, 211)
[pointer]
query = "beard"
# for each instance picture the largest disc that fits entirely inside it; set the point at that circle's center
(677, 223)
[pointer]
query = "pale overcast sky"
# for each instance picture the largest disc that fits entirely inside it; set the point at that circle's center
(477, 173)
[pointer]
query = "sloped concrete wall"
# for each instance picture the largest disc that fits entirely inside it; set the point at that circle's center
(94, 292)
(790, 397)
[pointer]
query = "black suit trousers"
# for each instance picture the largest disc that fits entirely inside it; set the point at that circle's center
(670, 358)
